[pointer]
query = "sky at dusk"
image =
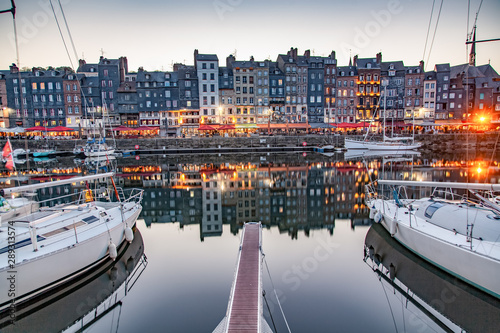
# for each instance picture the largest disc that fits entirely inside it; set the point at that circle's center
(156, 33)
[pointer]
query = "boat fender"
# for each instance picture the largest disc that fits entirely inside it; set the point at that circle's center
(392, 271)
(129, 265)
(129, 234)
(112, 251)
(394, 227)
(378, 217)
(377, 258)
(113, 273)
(371, 252)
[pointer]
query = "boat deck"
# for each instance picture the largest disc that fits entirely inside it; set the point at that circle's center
(244, 310)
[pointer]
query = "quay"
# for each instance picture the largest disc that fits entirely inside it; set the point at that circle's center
(244, 310)
(443, 142)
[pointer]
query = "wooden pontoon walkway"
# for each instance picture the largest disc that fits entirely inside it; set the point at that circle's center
(244, 311)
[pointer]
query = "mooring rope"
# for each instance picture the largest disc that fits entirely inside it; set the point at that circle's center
(269, 309)
(275, 294)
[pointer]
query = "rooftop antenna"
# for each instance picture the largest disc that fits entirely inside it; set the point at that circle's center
(102, 52)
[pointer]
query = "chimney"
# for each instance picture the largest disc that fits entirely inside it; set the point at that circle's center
(177, 67)
(307, 54)
(141, 69)
(252, 59)
(123, 68)
(332, 55)
(81, 63)
(195, 56)
(421, 64)
(230, 60)
(355, 60)
(379, 58)
(295, 54)
(14, 69)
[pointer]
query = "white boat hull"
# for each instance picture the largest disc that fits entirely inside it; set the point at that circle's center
(451, 253)
(99, 153)
(371, 145)
(53, 264)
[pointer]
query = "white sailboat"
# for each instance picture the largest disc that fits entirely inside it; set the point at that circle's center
(393, 143)
(53, 245)
(459, 235)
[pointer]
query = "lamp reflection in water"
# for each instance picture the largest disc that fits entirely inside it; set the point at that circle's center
(80, 304)
(432, 299)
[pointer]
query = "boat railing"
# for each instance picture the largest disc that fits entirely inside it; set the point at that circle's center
(133, 195)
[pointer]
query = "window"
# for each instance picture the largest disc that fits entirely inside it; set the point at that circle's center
(481, 96)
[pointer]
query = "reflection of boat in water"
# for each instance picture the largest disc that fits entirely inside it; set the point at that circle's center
(95, 164)
(95, 148)
(59, 243)
(45, 160)
(355, 154)
(459, 235)
(428, 292)
(79, 304)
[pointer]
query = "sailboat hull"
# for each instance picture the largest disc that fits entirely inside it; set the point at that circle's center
(54, 264)
(446, 249)
(358, 144)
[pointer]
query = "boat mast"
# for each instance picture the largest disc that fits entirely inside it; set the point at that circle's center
(385, 102)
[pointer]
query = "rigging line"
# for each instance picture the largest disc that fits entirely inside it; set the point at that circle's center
(67, 29)
(390, 307)
(60, 32)
(435, 30)
(468, 18)
(269, 309)
(275, 294)
(428, 30)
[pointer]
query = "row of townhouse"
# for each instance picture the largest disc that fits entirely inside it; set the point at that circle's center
(293, 89)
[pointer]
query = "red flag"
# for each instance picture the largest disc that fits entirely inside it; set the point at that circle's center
(10, 163)
(7, 149)
(7, 156)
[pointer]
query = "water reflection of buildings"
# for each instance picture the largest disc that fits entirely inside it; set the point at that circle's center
(292, 197)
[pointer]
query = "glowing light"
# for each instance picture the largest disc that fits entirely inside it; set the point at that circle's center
(479, 170)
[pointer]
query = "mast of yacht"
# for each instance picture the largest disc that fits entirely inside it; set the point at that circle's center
(385, 102)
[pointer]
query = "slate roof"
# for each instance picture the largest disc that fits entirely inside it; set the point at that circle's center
(207, 57)
(363, 62)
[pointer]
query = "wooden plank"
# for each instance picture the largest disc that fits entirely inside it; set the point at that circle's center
(245, 312)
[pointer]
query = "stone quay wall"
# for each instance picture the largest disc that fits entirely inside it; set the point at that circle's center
(430, 142)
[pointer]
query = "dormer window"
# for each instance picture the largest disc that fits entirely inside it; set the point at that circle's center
(391, 66)
(369, 65)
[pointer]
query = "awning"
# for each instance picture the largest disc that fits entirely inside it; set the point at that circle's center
(208, 127)
(298, 125)
(146, 128)
(353, 125)
(36, 129)
(226, 127)
(13, 130)
(272, 126)
(321, 125)
(246, 126)
(61, 129)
